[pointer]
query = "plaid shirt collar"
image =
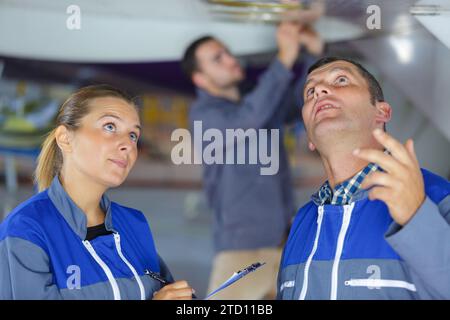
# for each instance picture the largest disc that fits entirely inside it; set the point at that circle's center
(343, 192)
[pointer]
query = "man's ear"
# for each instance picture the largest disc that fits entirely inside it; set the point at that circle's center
(63, 139)
(311, 146)
(199, 80)
(383, 112)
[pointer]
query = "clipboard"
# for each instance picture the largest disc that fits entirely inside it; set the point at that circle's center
(235, 277)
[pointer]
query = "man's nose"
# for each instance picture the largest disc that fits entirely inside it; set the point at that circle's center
(230, 59)
(321, 89)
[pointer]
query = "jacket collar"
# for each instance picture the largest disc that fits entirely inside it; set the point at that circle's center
(358, 195)
(205, 95)
(73, 215)
(345, 192)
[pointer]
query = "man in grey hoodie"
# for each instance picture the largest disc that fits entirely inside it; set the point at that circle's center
(252, 204)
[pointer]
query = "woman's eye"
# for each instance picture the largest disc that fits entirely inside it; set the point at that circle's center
(110, 127)
(134, 137)
(310, 91)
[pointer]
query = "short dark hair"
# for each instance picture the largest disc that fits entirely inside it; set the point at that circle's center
(376, 93)
(189, 63)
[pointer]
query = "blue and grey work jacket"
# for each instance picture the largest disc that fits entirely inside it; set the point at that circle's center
(44, 254)
(357, 251)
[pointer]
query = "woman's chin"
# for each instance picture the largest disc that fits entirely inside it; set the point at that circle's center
(114, 182)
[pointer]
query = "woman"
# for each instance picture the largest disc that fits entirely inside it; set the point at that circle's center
(70, 241)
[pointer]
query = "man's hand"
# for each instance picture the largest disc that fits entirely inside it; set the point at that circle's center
(311, 40)
(401, 186)
(179, 290)
(288, 43)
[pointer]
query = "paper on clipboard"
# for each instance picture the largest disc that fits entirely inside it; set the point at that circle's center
(235, 277)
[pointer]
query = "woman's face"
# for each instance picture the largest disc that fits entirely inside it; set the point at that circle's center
(104, 147)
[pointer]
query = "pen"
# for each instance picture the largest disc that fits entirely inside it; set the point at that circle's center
(235, 277)
(252, 267)
(156, 276)
(160, 279)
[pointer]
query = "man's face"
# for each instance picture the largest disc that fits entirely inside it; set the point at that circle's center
(218, 67)
(336, 100)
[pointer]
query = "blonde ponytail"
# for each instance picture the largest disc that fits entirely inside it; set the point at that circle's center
(49, 162)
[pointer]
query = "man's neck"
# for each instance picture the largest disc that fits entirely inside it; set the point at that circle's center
(231, 93)
(341, 167)
(340, 164)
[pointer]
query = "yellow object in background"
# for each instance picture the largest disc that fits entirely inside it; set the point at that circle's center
(166, 111)
(17, 124)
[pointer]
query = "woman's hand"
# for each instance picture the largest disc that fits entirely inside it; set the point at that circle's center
(179, 290)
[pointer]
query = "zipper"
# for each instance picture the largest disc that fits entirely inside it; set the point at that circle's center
(340, 245)
(311, 255)
(287, 284)
(130, 266)
(105, 268)
(380, 283)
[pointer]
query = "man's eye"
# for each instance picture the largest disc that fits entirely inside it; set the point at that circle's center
(218, 58)
(110, 127)
(309, 91)
(342, 80)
